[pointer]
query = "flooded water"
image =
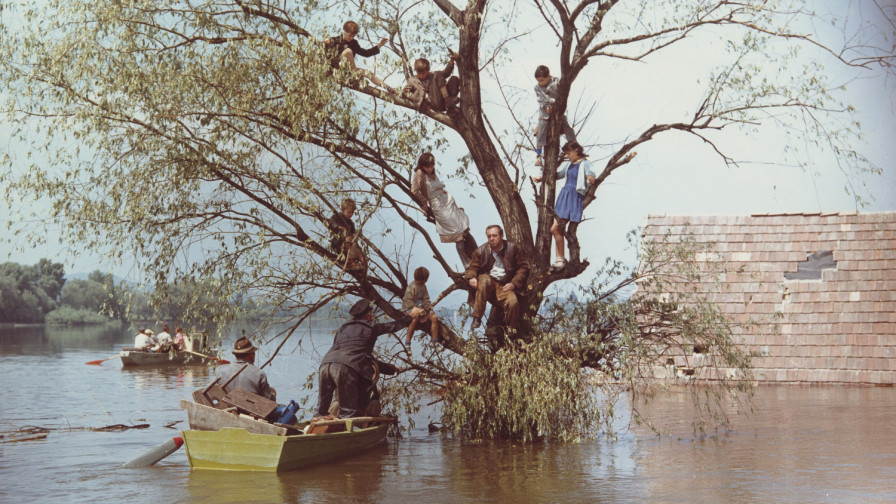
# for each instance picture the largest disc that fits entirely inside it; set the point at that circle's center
(806, 444)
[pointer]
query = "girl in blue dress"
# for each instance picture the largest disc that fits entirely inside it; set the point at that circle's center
(571, 200)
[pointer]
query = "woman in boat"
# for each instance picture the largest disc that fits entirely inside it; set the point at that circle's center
(179, 339)
(452, 224)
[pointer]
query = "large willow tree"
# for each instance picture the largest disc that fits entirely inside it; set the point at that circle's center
(212, 140)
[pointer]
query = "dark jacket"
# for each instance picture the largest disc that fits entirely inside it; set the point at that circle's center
(340, 228)
(353, 343)
(515, 264)
(337, 44)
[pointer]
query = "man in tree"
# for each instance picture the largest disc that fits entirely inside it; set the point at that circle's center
(348, 367)
(252, 378)
(497, 272)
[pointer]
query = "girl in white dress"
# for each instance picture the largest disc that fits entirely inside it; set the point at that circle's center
(452, 224)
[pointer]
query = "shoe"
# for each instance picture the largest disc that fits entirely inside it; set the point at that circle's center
(539, 161)
(451, 102)
(560, 263)
(391, 90)
(476, 323)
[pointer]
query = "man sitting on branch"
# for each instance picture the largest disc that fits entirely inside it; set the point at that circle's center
(497, 272)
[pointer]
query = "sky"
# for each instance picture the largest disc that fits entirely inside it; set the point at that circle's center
(673, 174)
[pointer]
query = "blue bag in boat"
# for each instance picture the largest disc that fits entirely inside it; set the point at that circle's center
(286, 414)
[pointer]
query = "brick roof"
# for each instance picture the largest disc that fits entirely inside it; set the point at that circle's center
(840, 328)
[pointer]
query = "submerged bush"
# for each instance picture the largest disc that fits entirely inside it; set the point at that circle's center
(71, 316)
(525, 391)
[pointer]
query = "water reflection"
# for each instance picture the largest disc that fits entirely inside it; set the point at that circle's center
(220, 487)
(806, 444)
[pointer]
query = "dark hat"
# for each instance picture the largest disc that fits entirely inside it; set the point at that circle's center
(360, 308)
(243, 346)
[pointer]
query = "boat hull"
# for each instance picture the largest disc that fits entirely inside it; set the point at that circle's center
(231, 449)
(130, 358)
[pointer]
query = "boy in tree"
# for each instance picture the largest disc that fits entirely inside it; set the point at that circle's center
(417, 295)
(438, 89)
(546, 92)
(344, 48)
(343, 237)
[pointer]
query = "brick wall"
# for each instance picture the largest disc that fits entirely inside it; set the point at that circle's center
(840, 328)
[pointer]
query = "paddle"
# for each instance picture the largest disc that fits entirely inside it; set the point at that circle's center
(98, 362)
(219, 361)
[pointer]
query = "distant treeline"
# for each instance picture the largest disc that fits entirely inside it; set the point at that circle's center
(41, 294)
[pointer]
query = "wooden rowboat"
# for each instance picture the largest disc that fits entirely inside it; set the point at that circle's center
(222, 440)
(134, 357)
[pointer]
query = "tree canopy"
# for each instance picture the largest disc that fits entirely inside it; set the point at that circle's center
(214, 140)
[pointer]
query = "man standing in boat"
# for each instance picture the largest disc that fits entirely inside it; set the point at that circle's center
(252, 378)
(348, 367)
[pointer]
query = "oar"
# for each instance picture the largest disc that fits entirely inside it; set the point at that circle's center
(98, 362)
(219, 361)
(156, 454)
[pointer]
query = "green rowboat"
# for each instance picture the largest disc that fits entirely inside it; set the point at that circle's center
(224, 440)
(231, 449)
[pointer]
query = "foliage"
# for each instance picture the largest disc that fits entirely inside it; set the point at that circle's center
(525, 391)
(66, 315)
(564, 383)
(213, 140)
(98, 294)
(28, 293)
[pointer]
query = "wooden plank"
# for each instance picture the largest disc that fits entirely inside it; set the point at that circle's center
(206, 418)
(199, 398)
(342, 424)
(248, 402)
(341, 421)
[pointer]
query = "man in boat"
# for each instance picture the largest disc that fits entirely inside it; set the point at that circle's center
(142, 341)
(252, 378)
(348, 367)
(164, 339)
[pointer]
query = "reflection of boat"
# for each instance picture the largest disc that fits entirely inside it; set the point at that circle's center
(222, 440)
(135, 357)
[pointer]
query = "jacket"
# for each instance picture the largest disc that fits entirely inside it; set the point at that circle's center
(584, 171)
(336, 45)
(354, 341)
(252, 378)
(414, 291)
(546, 97)
(515, 264)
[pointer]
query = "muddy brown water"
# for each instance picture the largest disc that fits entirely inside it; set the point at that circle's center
(805, 445)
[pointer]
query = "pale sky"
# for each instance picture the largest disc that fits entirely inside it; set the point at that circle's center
(673, 174)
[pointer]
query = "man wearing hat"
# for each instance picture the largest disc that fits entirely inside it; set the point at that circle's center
(348, 367)
(252, 379)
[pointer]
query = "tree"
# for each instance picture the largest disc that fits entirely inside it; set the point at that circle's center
(23, 294)
(215, 141)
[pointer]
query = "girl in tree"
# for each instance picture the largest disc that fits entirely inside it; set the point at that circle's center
(452, 223)
(571, 200)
